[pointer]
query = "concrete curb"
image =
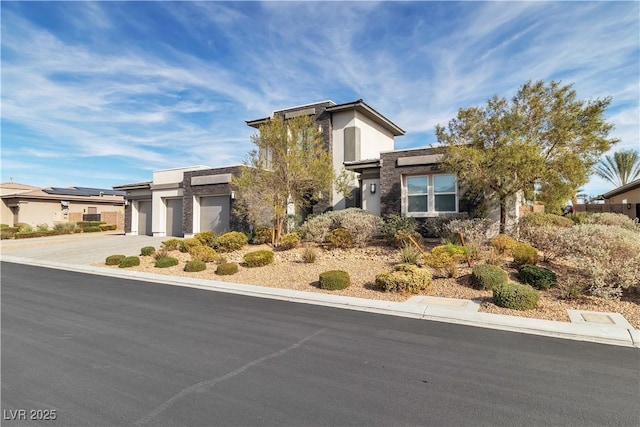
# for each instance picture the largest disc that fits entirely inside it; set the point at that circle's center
(598, 333)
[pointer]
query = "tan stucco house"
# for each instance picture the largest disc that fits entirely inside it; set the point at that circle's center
(27, 204)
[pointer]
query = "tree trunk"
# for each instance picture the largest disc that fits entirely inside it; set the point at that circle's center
(503, 214)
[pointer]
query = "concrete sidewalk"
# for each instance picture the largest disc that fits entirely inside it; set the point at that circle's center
(94, 249)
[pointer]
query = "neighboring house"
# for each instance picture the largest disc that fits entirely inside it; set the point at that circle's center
(624, 199)
(35, 206)
(181, 202)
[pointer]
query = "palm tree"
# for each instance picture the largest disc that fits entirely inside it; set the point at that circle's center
(620, 169)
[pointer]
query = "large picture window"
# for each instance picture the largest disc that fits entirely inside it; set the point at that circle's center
(430, 195)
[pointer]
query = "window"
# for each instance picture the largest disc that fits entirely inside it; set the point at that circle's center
(430, 195)
(417, 194)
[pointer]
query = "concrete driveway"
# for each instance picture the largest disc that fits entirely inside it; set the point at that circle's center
(83, 248)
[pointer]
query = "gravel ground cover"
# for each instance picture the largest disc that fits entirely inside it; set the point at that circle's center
(362, 264)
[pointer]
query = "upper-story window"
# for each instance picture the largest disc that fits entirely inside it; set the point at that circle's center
(429, 195)
(351, 143)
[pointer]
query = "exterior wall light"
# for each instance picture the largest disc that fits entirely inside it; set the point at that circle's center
(372, 188)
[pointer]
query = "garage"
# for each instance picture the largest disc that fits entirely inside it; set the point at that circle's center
(214, 213)
(174, 217)
(144, 218)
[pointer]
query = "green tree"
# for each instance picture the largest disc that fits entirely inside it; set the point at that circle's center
(289, 167)
(621, 168)
(544, 137)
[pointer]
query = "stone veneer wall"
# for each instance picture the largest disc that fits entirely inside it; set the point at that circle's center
(391, 176)
(205, 190)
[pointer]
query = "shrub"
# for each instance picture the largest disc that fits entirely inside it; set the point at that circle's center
(613, 219)
(503, 243)
(436, 226)
(8, 233)
(474, 231)
(309, 255)
(340, 238)
(538, 277)
(316, 228)
(515, 297)
(129, 261)
(28, 235)
(486, 276)
(194, 266)
(258, 258)
(92, 229)
(42, 227)
(204, 254)
(3, 226)
(83, 224)
(108, 227)
(445, 258)
(539, 219)
(207, 238)
(549, 239)
(362, 225)
(114, 259)
(289, 241)
(608, 258)
(166, 262)
(262, 234)
(171, 244)
(409, 255)
(404, 238)
(231, 241)
(24, 228)
(524, 253)
(161, 253)
(147, 251)
(65, 227)
(395, 223)
(186, 244)
(334, 280)
(405, 278)
(578, 217)
(227, 269)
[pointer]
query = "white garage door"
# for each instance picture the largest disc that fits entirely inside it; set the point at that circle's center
(214, 213)
(144, 218)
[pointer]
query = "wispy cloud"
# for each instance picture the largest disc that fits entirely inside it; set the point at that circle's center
(133, 87)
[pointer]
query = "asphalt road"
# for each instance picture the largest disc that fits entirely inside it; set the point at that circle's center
(94, 351)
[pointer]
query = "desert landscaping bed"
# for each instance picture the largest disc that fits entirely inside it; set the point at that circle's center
(288, 271)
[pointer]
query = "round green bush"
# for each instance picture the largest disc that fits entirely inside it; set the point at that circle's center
(147, 251)
(92, 229)
(186, 244)
(340, 238)
(171, 244)
(130, 261)
(227, 269)
(114, 259)
(405, 278)
(231, 241)
(486, 276)
(207, 238)
(195, 265)
(166, 262)
(523, 253)
(289, 240)
(258, 258)
(334, 280)
(262, 234)
(204, 253)
(516, 297)
(538, 277)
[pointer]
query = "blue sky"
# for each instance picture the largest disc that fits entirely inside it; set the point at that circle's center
(102, 94)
